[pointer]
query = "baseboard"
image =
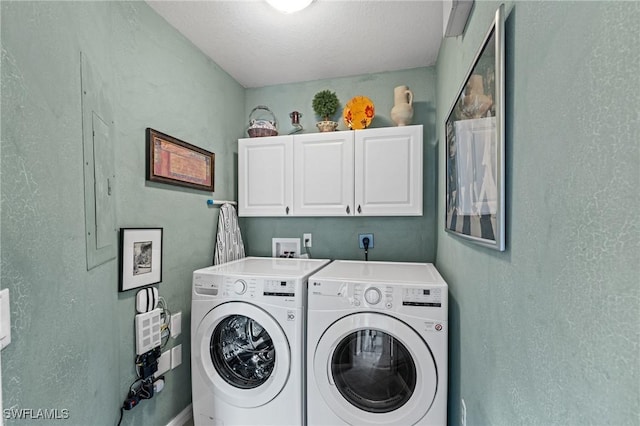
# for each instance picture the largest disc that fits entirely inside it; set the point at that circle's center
(183, 417)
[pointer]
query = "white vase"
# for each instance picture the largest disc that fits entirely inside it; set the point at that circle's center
(402, 111)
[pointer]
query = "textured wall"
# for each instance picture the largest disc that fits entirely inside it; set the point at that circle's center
(547, 332)
(395, 238)
(73, 345)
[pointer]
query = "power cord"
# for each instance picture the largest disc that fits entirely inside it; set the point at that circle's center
(136, 394)
(365, 243)
(165, 327)
(145, 388)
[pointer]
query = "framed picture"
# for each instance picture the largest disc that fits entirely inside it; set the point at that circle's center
(140, 257)
(172, 161)
(474, 130)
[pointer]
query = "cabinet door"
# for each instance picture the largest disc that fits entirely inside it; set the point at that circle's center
(323, 174)
(388, 171)
(265, 176)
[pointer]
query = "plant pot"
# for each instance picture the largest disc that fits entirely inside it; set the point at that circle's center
(326, 126)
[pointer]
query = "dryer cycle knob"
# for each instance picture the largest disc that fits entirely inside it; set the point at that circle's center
(372, 295)
(239, 287)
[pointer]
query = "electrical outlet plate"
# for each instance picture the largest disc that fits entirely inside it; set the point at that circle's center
(362, 237)
(306, 238)
(5, 319)
(176, 356)
(164, 364)
(176, 324)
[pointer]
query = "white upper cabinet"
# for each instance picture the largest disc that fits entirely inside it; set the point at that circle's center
(371, 172)
(265, 176)
(323, 174)
(388, 171)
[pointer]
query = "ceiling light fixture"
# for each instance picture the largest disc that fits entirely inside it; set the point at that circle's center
(289, 6)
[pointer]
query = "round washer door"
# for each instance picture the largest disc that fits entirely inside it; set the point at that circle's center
(244, 355)
(374, 368)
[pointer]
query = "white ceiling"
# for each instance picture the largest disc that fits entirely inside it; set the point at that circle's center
(259, 46)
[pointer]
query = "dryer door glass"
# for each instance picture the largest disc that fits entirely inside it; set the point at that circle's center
(373, 371)
(242, 352)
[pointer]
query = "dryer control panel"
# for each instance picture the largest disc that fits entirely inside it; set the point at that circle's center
(333, 295)
(373, 296)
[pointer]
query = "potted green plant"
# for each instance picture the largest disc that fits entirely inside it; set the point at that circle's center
(325, 104)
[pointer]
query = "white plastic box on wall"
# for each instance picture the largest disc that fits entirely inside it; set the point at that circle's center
(285, 247)
(5, 331)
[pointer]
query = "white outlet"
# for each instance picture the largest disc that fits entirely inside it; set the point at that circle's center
(176, 324)
(176, 356)
(463, 412)
(5, 319)
(306, 238)
(164, 364)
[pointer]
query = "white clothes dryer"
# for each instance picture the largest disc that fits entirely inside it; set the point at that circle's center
(247, 341)
(377, 345)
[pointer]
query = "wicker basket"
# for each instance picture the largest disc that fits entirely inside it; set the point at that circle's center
(259, 133)
(262, 122)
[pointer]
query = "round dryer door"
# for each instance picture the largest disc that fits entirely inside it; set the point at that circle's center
(243, 354)
(373, 368)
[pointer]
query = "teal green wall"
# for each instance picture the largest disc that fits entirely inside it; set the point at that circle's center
(543, 333)
(395, 238)
(547, 332)
(73, 345)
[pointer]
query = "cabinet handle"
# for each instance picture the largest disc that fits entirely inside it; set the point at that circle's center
(287, 210)
(359, 209)
(348, 210)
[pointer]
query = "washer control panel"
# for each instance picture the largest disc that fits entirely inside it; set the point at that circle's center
(276, 290)
(205, 284)
(282, 288)
(372, 296)
(240, 287)
(429, 297)
(234, 286)
(245, 286)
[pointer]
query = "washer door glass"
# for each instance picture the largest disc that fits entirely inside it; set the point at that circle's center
(372, 368)
(242, 352)
(373, 371)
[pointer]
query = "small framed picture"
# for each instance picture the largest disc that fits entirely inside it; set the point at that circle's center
(140, 257)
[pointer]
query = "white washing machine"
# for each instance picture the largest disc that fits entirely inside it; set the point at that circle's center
(377, 345)
(247, 341)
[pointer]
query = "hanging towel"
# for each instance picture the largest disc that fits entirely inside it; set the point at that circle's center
(229, 244)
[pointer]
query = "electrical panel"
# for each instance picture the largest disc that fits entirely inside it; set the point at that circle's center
(99, 168)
